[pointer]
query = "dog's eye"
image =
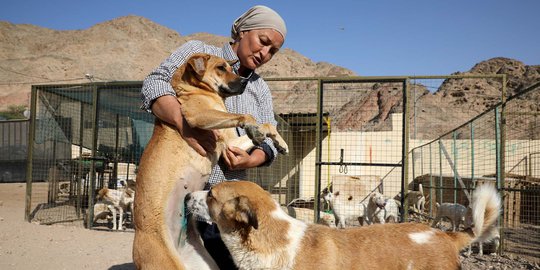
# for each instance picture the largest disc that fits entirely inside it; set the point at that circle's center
(222, 68)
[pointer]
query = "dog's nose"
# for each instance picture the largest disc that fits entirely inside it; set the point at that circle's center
(235, 87)
(188, 197)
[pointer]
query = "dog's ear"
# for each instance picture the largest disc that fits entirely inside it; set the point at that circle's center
(198, 63)
(239, 209)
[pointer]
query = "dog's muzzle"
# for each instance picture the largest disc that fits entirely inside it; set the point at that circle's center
(195, 203)
(233, 88)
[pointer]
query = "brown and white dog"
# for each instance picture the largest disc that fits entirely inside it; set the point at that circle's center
(170, 168)
(260, 235)
(115, 200)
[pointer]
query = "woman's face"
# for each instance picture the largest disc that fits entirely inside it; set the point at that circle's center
(256, 47)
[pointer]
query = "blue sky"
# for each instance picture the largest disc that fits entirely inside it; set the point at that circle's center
(372, 38)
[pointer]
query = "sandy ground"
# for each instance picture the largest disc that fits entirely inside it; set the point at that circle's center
(25, 245)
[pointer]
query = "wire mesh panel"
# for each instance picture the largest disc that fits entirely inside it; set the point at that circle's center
(448, 164)
(498, 146)
(522, 177)
(337, 138)
(84, 138)
(13, 150)
(291, 179)
(361, 149)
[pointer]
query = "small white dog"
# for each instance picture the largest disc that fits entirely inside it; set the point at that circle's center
(375, 208)
(391, 211)
(456, 213)
(382, 210)
(346, 211)
(117, 200)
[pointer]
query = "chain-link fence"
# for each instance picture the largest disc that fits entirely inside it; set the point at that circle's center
(499, 146)
(85, 137)
(13, 150)
(91, 136)
(348, 137)
(343, 141)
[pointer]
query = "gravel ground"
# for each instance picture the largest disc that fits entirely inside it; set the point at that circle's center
(476, 262)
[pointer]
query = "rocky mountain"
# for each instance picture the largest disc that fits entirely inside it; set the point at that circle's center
(128, 48)
(124, 49)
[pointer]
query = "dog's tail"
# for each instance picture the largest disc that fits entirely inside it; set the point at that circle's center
(421, 189)
(485, 207)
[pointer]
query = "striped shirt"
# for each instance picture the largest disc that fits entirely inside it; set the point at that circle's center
(256, 99)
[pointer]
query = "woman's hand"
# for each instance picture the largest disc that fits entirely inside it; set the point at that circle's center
(201, 140)
(237, 159)
(168, 109)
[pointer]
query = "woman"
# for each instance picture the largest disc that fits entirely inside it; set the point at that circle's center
(257, 36)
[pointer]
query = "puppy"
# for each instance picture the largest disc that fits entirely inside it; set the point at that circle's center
(391, 211)
(346, 211)
(170, 168)
(416, 199)
(116, 200)
(260, 235)
(375, 208)
(456, 213)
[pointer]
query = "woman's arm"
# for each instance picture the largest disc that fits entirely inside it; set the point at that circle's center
(159, 98)
(167, 108)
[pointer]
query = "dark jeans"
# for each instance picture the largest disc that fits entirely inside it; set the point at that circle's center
(215, 246)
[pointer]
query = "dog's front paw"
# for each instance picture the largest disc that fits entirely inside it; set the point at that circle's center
(280, 144)
(254, 134)
(282, 149)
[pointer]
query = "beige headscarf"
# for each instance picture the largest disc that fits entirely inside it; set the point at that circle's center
(258, 17)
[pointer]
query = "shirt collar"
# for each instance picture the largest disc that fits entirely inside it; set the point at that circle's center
(229, 55)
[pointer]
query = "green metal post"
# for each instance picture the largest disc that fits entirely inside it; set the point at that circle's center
(440, 173)
(79, 173)
(472, 154)
(405, 150)
(318, 150)
(498, 147)
(430, 182)
(454, 148)
(30, 147)
(95, 127)
(414, 163)
(502, 160)
(116, 143)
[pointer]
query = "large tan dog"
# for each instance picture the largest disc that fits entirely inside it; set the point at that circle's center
(260, 235)
(169, 168)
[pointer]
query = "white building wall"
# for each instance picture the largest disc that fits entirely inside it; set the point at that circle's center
(385, 147)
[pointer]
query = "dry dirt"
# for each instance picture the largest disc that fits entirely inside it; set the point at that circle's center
(25, 245)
